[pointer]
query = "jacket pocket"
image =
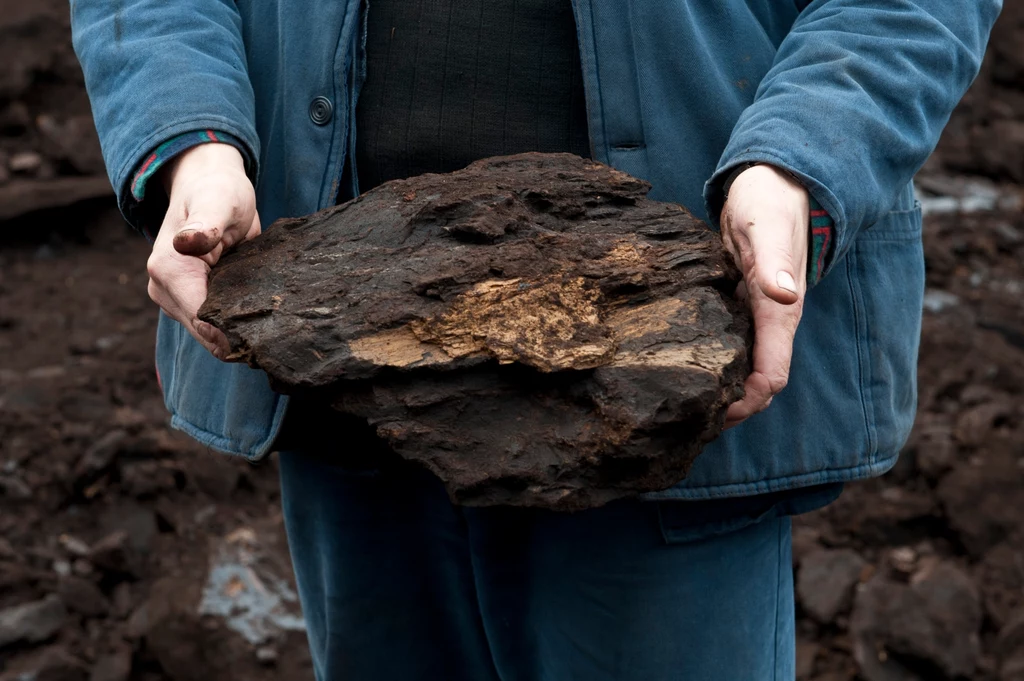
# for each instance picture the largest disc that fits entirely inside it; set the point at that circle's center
(886, 272)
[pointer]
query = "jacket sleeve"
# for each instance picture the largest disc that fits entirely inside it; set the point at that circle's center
(155, 69)
(856, 99)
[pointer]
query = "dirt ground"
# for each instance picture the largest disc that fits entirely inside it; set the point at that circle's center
(127, 552)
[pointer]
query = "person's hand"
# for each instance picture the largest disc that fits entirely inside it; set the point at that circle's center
(212, 207)
(765, 227)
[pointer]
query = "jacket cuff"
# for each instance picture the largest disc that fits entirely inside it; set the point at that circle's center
(149, 216)
(819, 255)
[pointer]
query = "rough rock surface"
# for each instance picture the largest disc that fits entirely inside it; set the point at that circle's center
(825, 582)
(928, 629)
(533, 328)
(31, 622)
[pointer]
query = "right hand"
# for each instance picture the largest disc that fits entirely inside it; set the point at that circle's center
(764, 226)
(212, 206)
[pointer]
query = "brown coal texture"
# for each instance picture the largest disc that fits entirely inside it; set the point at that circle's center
(532, 328)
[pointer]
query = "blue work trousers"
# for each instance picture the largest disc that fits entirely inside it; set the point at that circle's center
(399, 584)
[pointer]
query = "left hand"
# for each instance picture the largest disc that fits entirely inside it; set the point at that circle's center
(765, 224)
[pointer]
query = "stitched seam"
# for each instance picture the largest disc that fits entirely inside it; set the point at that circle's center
(890, 238)
(174, 390)
(644, 120)
(338, 152)
(869, 235)
(778, 591)
(223, 444)
(226, 445)
(863, 368)
(588, 62)
(741, 489)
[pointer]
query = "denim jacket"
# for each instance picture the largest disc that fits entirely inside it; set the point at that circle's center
(850, 96)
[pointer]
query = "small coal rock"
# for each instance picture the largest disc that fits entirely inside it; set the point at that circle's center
(1010, 648)
(1000, 577)
(146, 479)
(99, 456)
(115, 554)
(72, 140)
(54, 663)
(825, 582)
(114, 666)
(83, 597)
(983, 503)
(806, 654)
(138, 521)
(928, 629)
(73, 545)
(266, 655)
(805, 540)
(122, 600)
(14, 488)
(903, 559)
(27, 162)
(33, 622)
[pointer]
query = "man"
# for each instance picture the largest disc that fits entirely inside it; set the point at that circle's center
(798, 124)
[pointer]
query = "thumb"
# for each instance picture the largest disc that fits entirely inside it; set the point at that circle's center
(774, 269)
(214, 216)
(197, 237)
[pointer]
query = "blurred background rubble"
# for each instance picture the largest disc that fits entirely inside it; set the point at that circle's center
(129, 552)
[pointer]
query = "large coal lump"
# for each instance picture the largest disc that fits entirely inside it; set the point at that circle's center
(533, 329)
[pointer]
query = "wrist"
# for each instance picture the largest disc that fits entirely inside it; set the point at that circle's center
(775, 184)
(201, 159)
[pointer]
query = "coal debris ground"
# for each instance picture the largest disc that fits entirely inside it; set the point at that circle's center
(95, 489)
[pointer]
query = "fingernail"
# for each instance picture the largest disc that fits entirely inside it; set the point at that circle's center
(785, 280)
(189, 229)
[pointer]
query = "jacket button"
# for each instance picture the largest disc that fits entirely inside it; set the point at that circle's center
(321, 110)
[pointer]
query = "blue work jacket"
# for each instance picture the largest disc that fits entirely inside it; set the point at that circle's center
(850, 96)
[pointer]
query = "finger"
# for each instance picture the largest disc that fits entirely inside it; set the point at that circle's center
(757, 396)
(255, 229)
(774, 330)
(196, 238)
(212, 338)
(213, 216)
(178, 286)
(774, 267)
(213, 256)
(172, 310)
(190, 292)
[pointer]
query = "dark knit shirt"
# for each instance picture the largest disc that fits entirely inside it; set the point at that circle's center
(452, 81)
